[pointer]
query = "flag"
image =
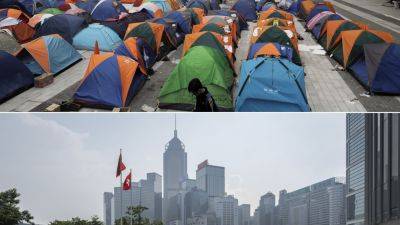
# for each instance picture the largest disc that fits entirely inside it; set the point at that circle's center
(127, 182)
(121, 167)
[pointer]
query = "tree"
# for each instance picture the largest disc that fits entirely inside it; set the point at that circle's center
(78, 221)
(135, 217)
(10, 213)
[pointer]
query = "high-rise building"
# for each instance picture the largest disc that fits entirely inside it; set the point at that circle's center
(319, 204)
(244, 214)
(195, 204)
(211, 179)
(226, 209)
(175, 172)
(147, 193)
(266, 209)
(355, 168)
(382, 169)
(107, 208)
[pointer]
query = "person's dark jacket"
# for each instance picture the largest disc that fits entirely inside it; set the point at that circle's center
(205, 102)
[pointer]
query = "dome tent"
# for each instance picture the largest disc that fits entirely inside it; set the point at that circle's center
(107, 39)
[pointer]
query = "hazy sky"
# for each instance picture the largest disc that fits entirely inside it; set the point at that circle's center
(62, 163)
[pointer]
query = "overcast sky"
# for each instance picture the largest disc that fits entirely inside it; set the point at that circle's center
(62, 163)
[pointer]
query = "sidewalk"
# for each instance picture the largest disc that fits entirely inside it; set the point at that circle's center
(378, 8)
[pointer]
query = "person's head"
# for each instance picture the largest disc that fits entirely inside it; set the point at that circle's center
(195, 87)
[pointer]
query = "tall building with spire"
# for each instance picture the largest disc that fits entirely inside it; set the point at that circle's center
(175, 172)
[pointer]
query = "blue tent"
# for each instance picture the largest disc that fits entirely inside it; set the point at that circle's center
(110, 81)
(135, 48)
(108, 40)
(260, 4)
(267, 6)
(285, 51)
(295, 7)
(162, 4)
(379, 69)
(104, 10)
(316, 31)
(198, 4)
(317, 9)
(183, 20)
(271, 85)
(247, 9)
(65, 25)
(14, 76)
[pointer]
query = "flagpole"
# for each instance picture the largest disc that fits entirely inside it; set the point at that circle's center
(130, 172)
(120, 153)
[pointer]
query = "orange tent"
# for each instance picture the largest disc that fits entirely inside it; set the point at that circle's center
(152, 33)
(272, 11)
(211, 39)
(335, 27)
(305, 8)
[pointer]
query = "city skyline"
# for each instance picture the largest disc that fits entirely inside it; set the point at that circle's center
(299, 128)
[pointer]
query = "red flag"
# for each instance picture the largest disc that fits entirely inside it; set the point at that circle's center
(120, 166)
(127, 182)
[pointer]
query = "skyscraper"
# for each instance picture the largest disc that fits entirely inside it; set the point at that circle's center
(355, 168)
(226, 209)
(174, 169)
(211, 179)
(321, 203)
(266, 209)
(107, 208)
(244, 214)
(382, 189)
(146, 192)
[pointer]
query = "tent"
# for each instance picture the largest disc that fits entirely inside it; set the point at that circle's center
(317, 9)
(196, 14)
(270, 50)
(350, 46)
(107, 39)
(227, 22)
(162, 4)
(4, 4)
(183, 20)
(275, 13)
(38, 19)
(268, 6)
(170, 39)
(319, 28)
(110, 81)
(246, 9)
(152, 33)
(312, 22)
(154, 10)
(260, 4)
(212, 40)
(138, 50)
(305, 8)
(21, 31)
(233, 14)
(104, 10)
(278, 22)
(334, 28)
(207, 64)
(8, 43)
(198, 4)
(52, 53)
(53, 11)
(67, 26)
(378, 69)
(209, 27)
(271, 85)
(277, 35)
(14, 76)
(13, 13)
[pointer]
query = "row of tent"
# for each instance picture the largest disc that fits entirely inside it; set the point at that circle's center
(52, 47)
(209, 55)
(371, 56)
(272, 78)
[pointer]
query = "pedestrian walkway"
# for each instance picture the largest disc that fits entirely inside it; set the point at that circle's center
(326, 90)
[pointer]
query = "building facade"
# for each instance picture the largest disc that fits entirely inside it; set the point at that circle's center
(226, 209)
(382, 169)
(174, 172)
(266, 209)
(355, 168)
(211, 179)
(146, 192)
(107, 208)
(244, 214)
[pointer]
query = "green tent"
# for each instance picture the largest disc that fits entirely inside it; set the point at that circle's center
(213, 70)
(53, 11)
